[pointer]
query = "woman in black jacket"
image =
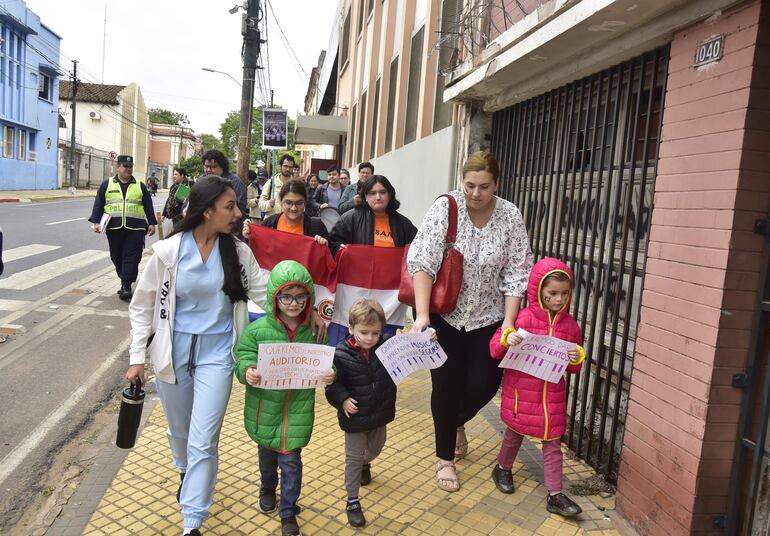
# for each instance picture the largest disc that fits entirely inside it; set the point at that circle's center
(376, 222)
(293, 219)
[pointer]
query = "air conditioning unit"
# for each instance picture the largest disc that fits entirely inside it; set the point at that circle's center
(32, 156)
(94, 115)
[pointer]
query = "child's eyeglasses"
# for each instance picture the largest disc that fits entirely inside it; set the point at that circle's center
(288, 299)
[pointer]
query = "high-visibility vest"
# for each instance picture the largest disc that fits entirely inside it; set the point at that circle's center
(130, 209)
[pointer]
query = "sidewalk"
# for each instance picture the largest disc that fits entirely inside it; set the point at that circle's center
(27, 196)
(402, 498)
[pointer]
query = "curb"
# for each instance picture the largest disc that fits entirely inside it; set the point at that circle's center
(9, 199)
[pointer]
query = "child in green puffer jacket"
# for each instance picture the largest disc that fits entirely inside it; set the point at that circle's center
(280, 421)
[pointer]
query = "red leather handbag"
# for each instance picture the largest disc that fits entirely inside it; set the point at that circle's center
(449, 279)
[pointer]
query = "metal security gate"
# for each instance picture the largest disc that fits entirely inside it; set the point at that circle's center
(750, 494)
(580, 163)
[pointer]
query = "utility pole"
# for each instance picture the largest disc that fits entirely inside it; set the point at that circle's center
(251, 42)
(75, 83)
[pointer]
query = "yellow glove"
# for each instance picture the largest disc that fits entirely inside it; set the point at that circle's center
(581, 355)
(504, 338)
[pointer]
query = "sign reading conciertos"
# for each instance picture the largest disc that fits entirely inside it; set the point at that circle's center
(404, 354)
(540, 356)
(293, 366)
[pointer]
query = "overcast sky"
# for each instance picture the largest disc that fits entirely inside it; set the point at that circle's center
(162, 45)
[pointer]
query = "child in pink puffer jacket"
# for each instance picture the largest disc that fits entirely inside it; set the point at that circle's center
(531, 406)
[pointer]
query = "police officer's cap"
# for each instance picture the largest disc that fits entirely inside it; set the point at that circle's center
(126, 160)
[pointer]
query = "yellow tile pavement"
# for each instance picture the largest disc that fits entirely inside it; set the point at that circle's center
(402, 498)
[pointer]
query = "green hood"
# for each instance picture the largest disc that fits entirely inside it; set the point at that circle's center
(287, 273)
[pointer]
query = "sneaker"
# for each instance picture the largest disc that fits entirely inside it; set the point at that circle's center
(366, 474)
(355, 514)
(503, 479)
(562, 505)
(289, 526)
(179, 490)
(266, 501)
(193, 532)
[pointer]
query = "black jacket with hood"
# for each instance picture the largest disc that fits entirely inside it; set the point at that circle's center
(361, 376)
(357, 227)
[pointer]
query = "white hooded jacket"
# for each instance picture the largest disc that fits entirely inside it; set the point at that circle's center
(151, 311)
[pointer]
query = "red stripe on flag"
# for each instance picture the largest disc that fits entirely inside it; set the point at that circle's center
(271, 247)
(370, 267)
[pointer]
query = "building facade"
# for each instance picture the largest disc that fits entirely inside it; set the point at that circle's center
(169, 145)
(633, 137)
(29, 89)
(111, 120)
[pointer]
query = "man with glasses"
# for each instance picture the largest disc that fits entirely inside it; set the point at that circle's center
(215, 163)
(268, 200)
(128, 204)
(351, 197)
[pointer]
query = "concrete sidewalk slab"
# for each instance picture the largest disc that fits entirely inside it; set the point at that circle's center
(402, 498)
(27, 196)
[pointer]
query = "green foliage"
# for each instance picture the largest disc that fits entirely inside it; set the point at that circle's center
(193, 165)
(210, 141)
(229, 133)
(167, 117)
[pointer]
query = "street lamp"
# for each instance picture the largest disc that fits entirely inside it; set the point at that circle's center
(210, 70)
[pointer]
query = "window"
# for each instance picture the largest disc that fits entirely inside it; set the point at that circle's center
(345, 44)
(442, 112)
(8, 142)
(413, 89)
(353, 133)
(360, 26)
(375, 117)
(44, 89)
(370, 8)
(22, 145)
(361, 126)
(391, 105)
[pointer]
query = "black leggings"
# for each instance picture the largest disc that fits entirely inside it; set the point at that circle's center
(464, 384)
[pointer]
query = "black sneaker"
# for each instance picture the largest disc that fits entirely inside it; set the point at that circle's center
(355, 514)
(562, 505)
(179, 490)
(193, 532)
(266, 501)
(366, 474)
(289, 526)
(503, 479)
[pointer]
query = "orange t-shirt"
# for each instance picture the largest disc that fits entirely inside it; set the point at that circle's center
(382, 236)
(287, 227)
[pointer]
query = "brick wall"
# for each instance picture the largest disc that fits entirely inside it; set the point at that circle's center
(701, 278)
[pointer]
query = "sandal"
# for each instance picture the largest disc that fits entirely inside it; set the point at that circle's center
(461, 443)
(446, 476)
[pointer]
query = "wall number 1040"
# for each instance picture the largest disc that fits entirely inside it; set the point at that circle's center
(709, 51)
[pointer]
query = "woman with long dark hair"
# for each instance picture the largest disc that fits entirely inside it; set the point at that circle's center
(376, 222)
(173, 207)
(187, 313)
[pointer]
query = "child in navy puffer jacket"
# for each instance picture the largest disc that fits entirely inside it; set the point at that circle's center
(531, 406)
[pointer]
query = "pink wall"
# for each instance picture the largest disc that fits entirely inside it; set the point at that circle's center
(700, 285)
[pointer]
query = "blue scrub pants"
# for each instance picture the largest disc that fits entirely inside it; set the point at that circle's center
(195, 408)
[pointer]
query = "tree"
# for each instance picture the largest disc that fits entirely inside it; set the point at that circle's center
(229, 131)
(167, 117)
(193, 165)
(209, 141)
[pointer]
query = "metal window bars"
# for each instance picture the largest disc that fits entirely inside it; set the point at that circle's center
(580, 162)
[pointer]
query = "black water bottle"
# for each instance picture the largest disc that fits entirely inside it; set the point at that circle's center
(130, 415)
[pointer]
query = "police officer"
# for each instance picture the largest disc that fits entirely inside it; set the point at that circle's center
(132, 216)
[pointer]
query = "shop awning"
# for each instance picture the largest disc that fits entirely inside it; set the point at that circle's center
(320, 129)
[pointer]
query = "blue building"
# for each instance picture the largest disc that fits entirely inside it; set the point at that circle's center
(29, 95)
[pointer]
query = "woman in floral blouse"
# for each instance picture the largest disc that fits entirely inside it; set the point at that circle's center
(497, 259)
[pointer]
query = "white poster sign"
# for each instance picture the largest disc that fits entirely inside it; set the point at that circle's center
(540, 356)
(293, 366)
(275, 128)
(404, 354)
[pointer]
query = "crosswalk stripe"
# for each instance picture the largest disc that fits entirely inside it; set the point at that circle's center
(12, 305)
(35, 276)
(26, 251)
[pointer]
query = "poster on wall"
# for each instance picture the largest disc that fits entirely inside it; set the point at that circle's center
(275, 128)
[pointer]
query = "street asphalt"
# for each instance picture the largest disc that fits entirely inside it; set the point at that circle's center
(59, 285)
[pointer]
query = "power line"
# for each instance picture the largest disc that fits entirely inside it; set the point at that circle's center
(286, 42)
